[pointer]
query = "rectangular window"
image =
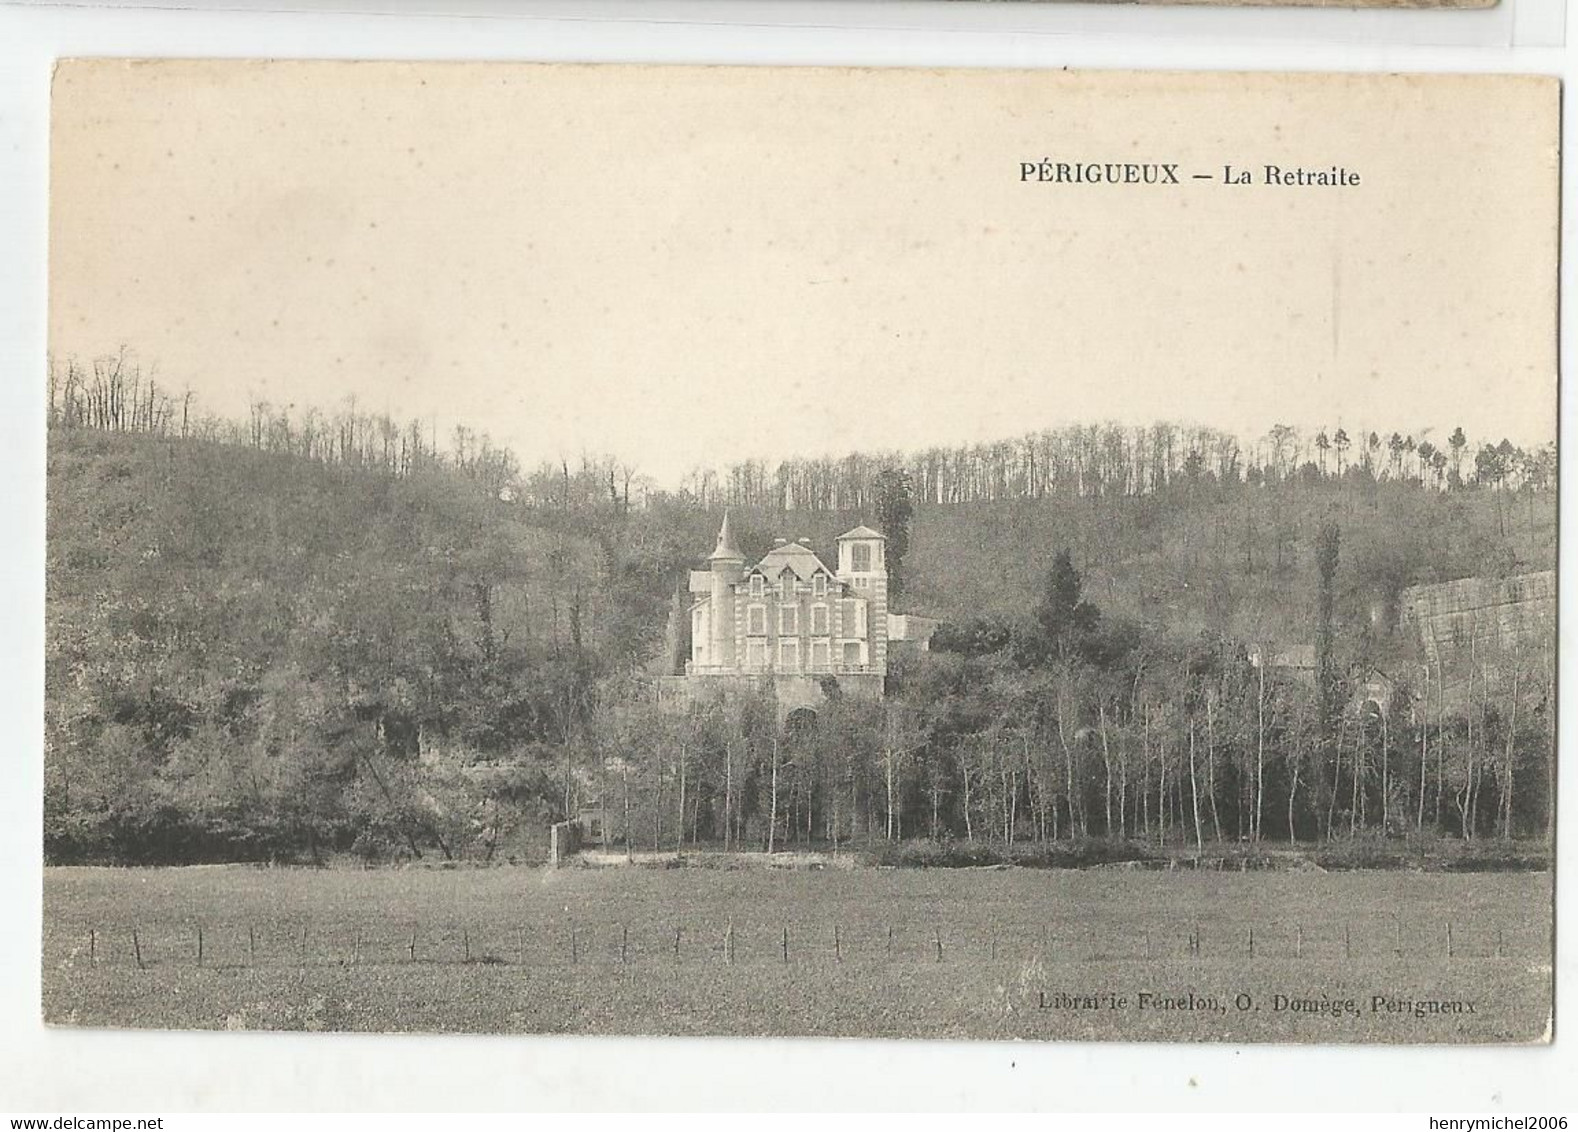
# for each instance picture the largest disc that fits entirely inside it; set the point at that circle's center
(860, 557)
(819, 621)
(821, 656)
(756, 653)
(846, 617)
(756, 620)
(819, 585)
(758, 585)
(860, 619)
(862, 583)
(788, 620)
(789, 656)
(852, 653)
(786, 584)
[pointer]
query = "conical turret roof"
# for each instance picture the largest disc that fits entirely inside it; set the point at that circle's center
(726, 551)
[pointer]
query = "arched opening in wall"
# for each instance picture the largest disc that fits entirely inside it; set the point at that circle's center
(800, 723)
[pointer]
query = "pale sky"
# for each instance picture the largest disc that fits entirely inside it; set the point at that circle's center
(695, 265)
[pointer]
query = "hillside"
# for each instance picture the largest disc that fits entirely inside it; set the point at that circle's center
(254, 654)
(1238, 560)
(246, 649)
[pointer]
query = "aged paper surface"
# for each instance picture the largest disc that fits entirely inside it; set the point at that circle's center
(801, 551)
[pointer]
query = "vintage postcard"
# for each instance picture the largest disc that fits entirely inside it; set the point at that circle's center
(884, 553)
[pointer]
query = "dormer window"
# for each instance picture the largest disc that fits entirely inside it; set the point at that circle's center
(786, 583)
(758, 585)
(819, 585)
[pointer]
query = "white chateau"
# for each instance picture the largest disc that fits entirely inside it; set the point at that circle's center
(791, 620)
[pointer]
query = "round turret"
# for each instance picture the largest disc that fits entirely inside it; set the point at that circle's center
(726, 558)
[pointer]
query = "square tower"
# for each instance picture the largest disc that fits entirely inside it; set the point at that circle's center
(863, 569)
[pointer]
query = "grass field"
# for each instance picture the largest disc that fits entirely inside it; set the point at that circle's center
(1017, 953)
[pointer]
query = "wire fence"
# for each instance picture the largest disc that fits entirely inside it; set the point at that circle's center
(568, 943)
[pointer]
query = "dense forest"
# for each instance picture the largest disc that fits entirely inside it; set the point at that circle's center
(308, 634)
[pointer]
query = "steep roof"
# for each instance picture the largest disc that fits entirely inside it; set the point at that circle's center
(861, 532)
(797, 556)
(726, 551)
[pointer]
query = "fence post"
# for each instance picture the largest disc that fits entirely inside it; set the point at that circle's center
(303, 945)
(252, 946)
(677, 932)
(1298, 942)
(411, 946)
(1251, 941)
(624, 942)
(786, 943)
(199, 945)
(1451, 949)
(93, 948)
(575, 946)
(137, 949)
(890, 941)
(1397, 935)
(838, 947)
(356, 948)
(728, 943)
(1501, 950)
(1347, 941)
(937, 935)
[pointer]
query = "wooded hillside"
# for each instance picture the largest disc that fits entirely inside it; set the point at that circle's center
(247, 652)
(288, 638)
